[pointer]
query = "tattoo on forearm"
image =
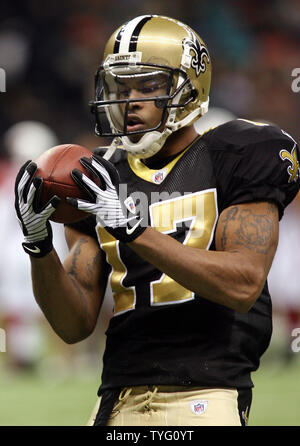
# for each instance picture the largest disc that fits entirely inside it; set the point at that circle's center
(75, 256)
(230, 215)
(73, 276)
(92, 266)
(83, 279)
(84, 305)
(253, 231)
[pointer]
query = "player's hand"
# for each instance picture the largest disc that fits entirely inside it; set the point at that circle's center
(33, 219)
(118, 216)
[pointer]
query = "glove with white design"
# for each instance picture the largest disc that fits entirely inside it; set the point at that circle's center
(33, 219)
(110, 209)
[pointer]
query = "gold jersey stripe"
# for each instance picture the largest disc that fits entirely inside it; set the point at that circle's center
(147, 174)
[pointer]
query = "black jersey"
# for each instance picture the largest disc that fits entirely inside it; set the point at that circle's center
(162, 333)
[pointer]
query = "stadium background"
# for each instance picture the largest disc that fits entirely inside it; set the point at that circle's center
(50, 53)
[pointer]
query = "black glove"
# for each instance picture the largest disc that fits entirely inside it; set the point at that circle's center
(111, 211)
(33, 219)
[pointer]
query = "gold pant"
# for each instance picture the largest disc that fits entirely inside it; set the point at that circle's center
(173, 406)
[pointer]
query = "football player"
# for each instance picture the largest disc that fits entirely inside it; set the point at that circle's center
(184, 228)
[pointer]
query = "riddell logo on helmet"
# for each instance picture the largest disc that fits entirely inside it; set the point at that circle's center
(135, 56)
(122, 58)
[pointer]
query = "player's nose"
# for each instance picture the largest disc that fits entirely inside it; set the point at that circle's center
(134, 94)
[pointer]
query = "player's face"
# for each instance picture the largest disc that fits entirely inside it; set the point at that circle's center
(142, 115)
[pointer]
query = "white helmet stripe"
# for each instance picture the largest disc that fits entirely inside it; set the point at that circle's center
(129, 31)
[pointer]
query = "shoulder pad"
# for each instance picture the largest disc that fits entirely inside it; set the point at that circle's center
(239, 133)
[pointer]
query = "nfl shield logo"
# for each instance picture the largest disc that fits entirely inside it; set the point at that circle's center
(159, 176)
(129, 203)
(199, 407)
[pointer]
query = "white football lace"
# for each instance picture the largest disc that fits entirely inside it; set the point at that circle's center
(35, 224)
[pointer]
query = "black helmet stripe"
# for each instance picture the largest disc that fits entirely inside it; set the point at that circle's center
(118, 39)
(136, 33)
(127, 38)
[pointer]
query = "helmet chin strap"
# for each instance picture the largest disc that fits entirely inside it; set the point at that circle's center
(148, 145)
(152, 142)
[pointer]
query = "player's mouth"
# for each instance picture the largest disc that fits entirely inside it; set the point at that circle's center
(134, 123)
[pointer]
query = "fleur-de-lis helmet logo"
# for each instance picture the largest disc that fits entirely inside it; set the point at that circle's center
(200, 57)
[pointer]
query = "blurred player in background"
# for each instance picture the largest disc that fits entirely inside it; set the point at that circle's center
(284, 277)
(20, 315)
(185, 228)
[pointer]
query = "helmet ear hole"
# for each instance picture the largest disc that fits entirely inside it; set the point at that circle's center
(194, 94)
(161, 103)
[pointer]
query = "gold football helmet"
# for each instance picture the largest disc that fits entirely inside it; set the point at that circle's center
(167, 63)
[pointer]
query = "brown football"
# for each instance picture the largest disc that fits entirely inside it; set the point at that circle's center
(55, 166)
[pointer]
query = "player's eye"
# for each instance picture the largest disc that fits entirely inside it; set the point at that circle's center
(143, 88)
(124, 93)
(152, 88)
(148, 90)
